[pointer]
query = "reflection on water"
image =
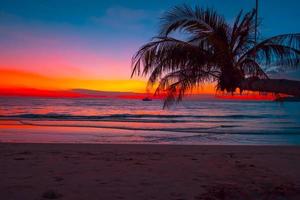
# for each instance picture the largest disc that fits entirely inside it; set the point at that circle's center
(136, 121)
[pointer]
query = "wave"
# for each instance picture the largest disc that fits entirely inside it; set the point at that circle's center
(121, 117)
(219, 129)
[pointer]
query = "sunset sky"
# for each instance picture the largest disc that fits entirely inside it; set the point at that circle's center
(89, 44)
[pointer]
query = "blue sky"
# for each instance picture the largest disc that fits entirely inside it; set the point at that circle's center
(112, 29)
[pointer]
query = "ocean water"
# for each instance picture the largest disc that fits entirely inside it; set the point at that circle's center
(134, 121)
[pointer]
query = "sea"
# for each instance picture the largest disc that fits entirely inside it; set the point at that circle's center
(133, 121)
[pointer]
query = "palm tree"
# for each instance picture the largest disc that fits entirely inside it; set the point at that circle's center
(210, 49)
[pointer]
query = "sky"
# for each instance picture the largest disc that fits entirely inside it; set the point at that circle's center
(88, 44)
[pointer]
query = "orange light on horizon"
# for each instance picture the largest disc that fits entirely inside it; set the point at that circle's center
(21, 79)
(20, 83)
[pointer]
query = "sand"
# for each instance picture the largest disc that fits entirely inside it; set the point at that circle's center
(82, 171)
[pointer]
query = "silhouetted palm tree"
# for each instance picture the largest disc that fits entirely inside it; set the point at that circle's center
(210, 49)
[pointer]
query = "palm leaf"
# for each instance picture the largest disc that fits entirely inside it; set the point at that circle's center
(213, 51)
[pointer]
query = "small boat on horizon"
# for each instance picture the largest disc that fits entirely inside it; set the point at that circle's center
(147, 99)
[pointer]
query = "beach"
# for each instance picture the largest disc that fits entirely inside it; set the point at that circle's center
(115, 171)
(150, 100)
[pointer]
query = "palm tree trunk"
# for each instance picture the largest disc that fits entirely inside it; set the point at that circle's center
(282, 86)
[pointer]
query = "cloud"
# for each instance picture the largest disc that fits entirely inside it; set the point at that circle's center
(122, 17)
(292, 75)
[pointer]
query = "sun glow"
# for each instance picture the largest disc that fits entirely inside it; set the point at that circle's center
(15, 79)
(20, 79)
(21, 83)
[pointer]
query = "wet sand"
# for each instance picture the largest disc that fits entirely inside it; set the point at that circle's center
(86, 171)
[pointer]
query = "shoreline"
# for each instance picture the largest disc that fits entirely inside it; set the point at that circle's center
(13, 131)
(149, 171)
(151, 144)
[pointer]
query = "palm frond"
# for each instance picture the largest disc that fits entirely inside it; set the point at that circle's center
(213, 51)
(166, 54)
(242, 37)
(291, 40)
(192, 20)
(281, 51)
(176, 84)
(251, 68)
